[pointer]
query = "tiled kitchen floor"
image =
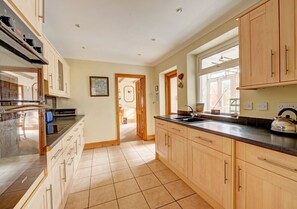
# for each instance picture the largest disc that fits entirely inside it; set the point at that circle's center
(129, 177)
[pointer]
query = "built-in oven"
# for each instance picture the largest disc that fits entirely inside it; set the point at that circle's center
(22, 110)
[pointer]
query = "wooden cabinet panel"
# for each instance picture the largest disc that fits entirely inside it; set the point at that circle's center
(178, 152)
(211, 171)
(259, 50)
(38, 199)
(161, 124)
(161, 143)
(57, 175)
(178, 129)
(288, 25)
(257, 188)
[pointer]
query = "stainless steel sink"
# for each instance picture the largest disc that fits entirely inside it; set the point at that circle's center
(189, 119)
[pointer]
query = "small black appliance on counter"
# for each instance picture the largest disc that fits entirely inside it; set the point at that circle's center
(65, 112)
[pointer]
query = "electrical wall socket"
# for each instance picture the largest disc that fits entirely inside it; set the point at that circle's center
(263, 106)
(287, 105)
(248, 106)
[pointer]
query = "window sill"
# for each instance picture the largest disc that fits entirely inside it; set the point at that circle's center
(222, 115)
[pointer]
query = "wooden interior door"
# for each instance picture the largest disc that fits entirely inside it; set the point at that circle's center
(141, 108)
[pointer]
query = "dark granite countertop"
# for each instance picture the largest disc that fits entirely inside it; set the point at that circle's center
(67, 123)
(248, 134)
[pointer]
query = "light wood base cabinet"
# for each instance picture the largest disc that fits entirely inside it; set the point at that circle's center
(257, 188)
(211, 171)
(161, 143)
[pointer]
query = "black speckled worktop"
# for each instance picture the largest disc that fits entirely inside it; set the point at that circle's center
(69, 122)
(248, 134)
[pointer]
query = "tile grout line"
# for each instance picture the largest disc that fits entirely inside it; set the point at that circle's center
(113, 182)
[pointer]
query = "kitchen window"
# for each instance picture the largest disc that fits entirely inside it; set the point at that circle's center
(218, 78)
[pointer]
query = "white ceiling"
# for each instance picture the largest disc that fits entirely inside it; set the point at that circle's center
(119, 30)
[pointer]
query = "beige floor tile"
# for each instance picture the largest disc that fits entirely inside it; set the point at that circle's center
(101, 195)
(78, 200)
(100, 150)
(100, 156)
(79, 185)
(100, 169)
(171, 206)
(86, 158)
(141, 170)
(122, 175)
(84, 172)
(157, 166)
(100, 161)
(85, 164)
(117, 159)
(108, 205)
(148, 181)
(157, 197)
(101, 180)
(119, 165)
(194, 202)
(166, 176)
(135, 201)
(178, 189)
(126, 188)
(133, 163)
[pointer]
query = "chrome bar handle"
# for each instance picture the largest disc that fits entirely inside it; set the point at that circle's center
(286, 59)
(166, 139)
(52, 85)
(65, 177)
(238, 179)
(271, 64)
(225, 172)
(277, 164)
(51, 195)
(57, 154)
(204, 139)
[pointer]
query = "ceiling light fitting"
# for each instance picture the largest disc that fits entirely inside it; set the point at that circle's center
(139, 54)
(153, 39)
(77, 25)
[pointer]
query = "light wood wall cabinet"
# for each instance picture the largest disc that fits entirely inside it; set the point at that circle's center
(57, 72)
(31, 11)
(265, 179)
(268, 45)
(62, 161)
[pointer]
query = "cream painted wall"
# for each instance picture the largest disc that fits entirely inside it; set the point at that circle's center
(100, 112)
(185, 62)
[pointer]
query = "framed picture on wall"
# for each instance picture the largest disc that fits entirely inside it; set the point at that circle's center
(99, 86)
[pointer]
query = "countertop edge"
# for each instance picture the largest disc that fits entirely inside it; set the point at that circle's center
(237, 138)
(49, 147)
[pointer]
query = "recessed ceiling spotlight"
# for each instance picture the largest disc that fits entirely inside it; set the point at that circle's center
(77, 25)
(179, 10)
(153, 39)
(139, 54)
(83, 47)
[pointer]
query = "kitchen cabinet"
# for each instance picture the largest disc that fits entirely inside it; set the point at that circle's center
(288, 36)
(211, 171)
(264, 178)
(161, 143)
(31, 11)
(178, 147)
(259, 45)
(267, 45)
(58, 72)
(39, 198)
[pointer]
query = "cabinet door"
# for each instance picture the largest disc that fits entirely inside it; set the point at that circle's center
(51, 56)
(257, 188)
(161, 143)
(178, 147)
(66, 80)
(38, 199)
(57, 175)
(211, 171)
(288, 37)
(259, 45)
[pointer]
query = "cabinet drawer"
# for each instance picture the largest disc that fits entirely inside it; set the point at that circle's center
(161, 124)
(54, 154)
(280, 163)
(178, 129)
(213, 141)
(68, 138)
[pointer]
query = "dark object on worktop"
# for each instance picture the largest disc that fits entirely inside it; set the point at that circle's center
(285, 125)
(65, 112)
(49, 117)
(55, 128)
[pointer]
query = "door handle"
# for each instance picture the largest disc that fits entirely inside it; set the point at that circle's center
(239, 179)
(51, 195)
(271, 62)
(286, 59)
(65, 177)
(225, 172)
(166, 139)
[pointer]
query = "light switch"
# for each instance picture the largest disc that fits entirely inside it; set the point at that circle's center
(248, 106)
(263, 106)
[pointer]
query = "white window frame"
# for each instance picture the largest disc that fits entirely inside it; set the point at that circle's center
(229, 64)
